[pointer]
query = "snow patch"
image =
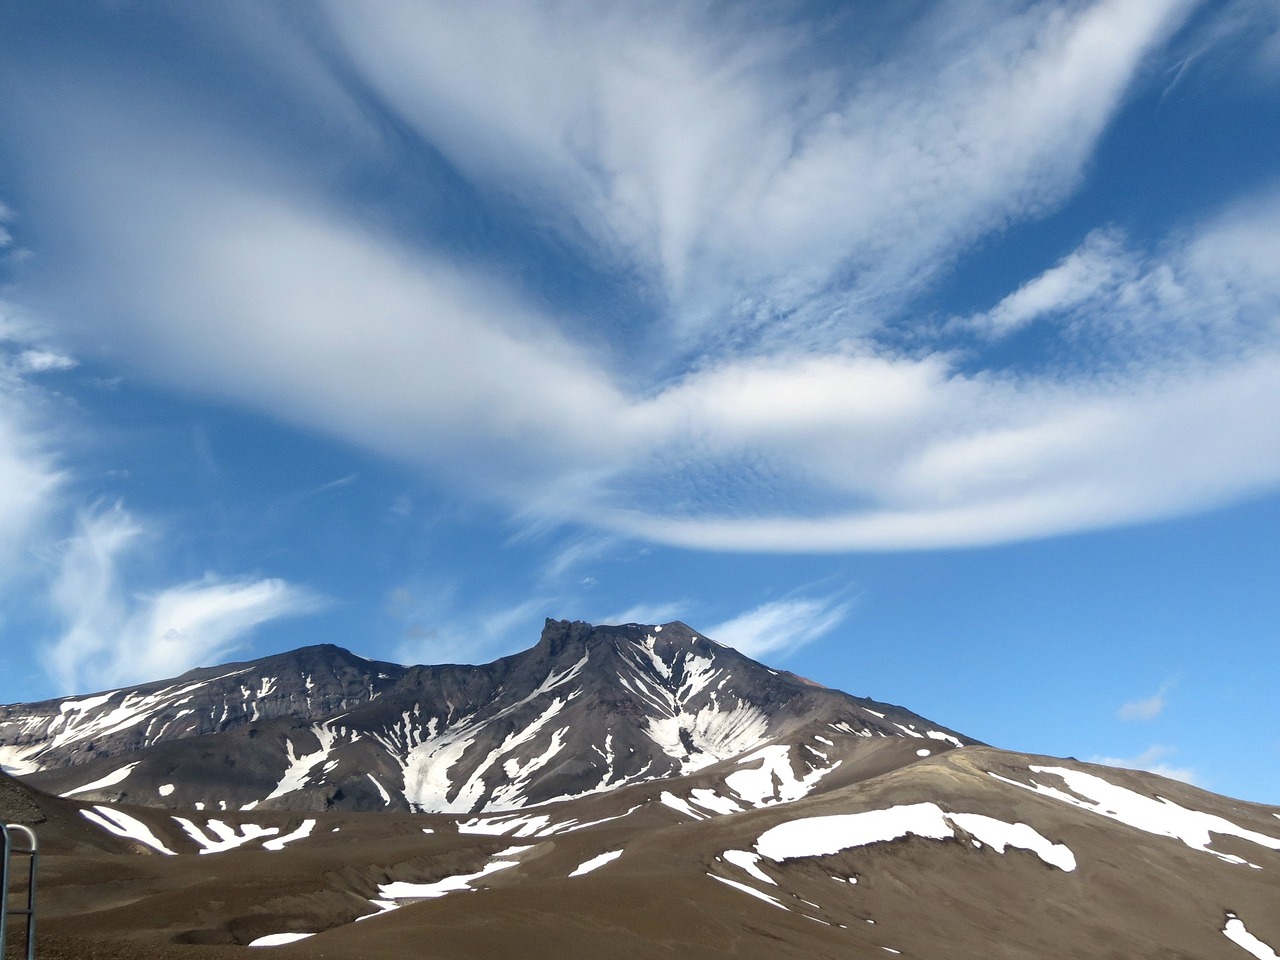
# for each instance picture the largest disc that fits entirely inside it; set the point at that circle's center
(773, 781)
(751, 890)
(822, 836)
(166, 790)
(1154, 815)
(408, 892)
(710, 800)
(1001, 835)
(681, 805)
(110, 780)
(1236, 932)
(224, 837)
(595, 863)
(386, 797)
(748, 861)
(303, 831)
(519, 826)
(279, 939)
(300, 765)
(123, 825)
(527, 825)
(939, 735)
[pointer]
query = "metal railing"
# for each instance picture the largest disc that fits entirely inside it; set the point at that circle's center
(11, 832)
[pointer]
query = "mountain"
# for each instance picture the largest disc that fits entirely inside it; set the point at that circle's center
(631, 791)
(587, 709)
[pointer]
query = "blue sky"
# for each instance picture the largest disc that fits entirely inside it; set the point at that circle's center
(932, 353)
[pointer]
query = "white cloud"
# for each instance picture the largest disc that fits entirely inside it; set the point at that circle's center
(1152, 761)
(114, 636)
(1093, 270)
(731, 169)
(1146, 708)
(30, 476)
(723, 158)
(29, 482)
(1207, 291)
(288, 307)
(987, 460)
(575, 554)
(43, 361)
(782, 625)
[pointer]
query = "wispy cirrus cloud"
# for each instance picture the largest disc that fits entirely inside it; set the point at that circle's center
(114, 635)
(31, 478)
(781, 626)
(738, 167)
(1092, 272)
(1146, 708)
(768, 206)
(1153, 761)
(29, 483)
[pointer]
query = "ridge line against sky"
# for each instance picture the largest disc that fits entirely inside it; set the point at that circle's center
(572, 291)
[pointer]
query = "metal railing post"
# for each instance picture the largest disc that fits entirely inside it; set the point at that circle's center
(4, 889)
(31, 850)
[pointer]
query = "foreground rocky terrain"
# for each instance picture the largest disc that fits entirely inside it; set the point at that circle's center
(824, 826)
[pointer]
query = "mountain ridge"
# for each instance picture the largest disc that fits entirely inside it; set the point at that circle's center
(587, 708)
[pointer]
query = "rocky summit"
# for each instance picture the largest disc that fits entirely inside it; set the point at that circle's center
(634, 791)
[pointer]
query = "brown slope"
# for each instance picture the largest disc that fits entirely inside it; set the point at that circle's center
(1133, 893)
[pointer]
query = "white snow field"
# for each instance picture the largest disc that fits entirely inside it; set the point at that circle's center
(820, 836)
(1154, 815)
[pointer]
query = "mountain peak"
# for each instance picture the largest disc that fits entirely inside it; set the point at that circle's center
(587, 709)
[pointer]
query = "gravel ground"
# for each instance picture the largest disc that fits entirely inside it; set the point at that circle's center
(55, 947)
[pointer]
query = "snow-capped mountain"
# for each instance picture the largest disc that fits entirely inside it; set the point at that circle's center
(588, 709)
(635, 791)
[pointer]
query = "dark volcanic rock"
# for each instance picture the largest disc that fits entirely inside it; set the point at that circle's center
(16, 803)
(586, 709)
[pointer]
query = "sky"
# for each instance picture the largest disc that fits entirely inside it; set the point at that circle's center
(930, 350)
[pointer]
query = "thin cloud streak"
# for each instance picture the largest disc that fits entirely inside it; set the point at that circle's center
(1152, 760)
(115, 636)
(31, 479)
(1146, 708)
(781, 626)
